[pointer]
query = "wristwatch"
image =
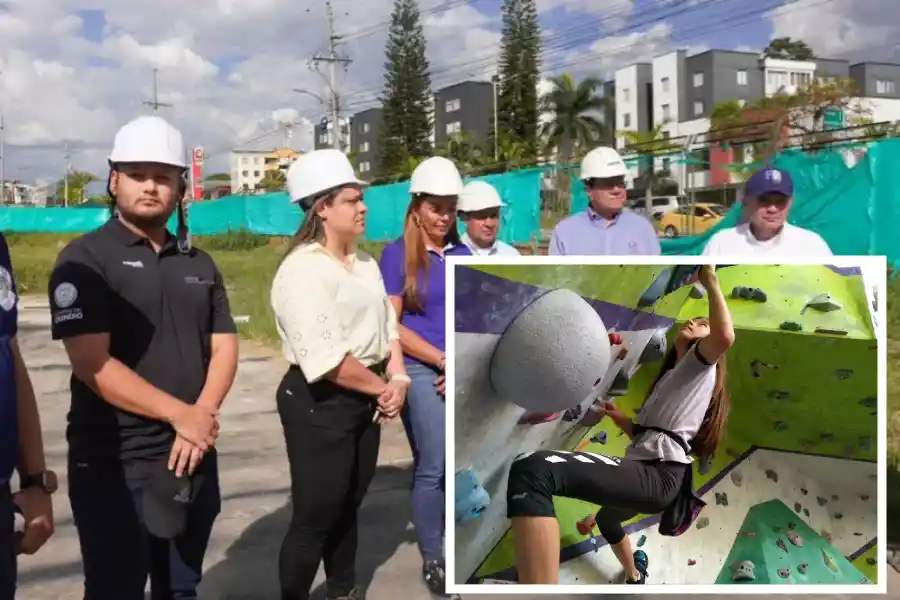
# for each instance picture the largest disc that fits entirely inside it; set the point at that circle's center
(46, 480)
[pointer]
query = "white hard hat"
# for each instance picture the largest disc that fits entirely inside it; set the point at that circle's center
(149, 139)
(479, 195)
(602, 162)
(319, 171)
(436, 176)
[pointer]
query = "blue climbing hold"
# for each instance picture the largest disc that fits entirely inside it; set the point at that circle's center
(600, 438)
(471, 498)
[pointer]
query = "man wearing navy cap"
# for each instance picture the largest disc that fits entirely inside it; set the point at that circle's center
(21, 444)
(767, 201)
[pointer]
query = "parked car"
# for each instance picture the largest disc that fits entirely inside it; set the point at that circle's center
(690, 220)
(660, 205)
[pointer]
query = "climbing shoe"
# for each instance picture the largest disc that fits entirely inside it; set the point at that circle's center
(436, 578)
(354, 594)
(641, 562)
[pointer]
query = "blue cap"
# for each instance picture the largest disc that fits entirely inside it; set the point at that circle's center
(770, 180)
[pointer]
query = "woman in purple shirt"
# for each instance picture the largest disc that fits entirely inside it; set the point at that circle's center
(413, 268)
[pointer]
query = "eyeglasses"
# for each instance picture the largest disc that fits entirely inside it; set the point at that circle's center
(607, 183)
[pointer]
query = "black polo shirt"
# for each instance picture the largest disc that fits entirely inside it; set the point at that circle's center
(160, 311)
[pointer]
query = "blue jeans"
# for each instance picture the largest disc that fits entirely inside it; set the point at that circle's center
(424, 419)
(118, 553)
(7, 552)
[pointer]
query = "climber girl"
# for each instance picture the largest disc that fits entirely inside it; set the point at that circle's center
(688, 400)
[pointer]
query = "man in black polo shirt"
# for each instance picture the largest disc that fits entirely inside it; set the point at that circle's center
(146, 324)
(21, 444)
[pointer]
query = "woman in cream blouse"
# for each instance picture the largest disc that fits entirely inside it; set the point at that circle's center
(346, 375)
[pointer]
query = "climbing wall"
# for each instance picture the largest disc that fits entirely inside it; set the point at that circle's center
(802, 380)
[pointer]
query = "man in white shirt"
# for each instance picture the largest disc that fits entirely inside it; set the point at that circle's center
(479, 209)
(767, 201)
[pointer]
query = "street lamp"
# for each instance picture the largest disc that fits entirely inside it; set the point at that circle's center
(495, 81)
(308, 93)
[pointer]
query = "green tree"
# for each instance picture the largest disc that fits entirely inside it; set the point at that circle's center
(464, 150)
(520, 65)
(273, 180)
(788, 49)
(647, 145)
(406, 126)
(218, 177)
(77, 182)
(576, 123)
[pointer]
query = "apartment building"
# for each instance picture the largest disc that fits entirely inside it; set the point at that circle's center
(679, 92)
(466, 106)
(366, 128)
(247, 169)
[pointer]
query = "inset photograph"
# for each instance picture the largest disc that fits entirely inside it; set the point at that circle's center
(666, 424)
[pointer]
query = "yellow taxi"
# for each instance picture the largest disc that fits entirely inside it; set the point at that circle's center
(689, 219)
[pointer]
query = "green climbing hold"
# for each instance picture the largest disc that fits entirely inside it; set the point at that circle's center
(791, 326)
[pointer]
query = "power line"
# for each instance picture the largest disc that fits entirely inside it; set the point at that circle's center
(332, 59)
(155, 104)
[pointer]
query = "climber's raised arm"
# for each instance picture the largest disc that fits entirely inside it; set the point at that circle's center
(721, 329)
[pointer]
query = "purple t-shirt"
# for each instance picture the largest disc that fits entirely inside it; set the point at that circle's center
(9, 430)
(429, 324)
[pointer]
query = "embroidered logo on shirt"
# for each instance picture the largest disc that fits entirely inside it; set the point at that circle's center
(7, 292)
(65, 295)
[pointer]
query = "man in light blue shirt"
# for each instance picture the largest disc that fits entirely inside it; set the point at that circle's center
(479, 209)
(604, 228)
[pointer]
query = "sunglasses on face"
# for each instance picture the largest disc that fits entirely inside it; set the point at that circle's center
(607, 183)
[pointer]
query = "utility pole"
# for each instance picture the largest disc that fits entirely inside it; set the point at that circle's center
(2, 159)
(155, 104)
(333, 59)
(67, 155)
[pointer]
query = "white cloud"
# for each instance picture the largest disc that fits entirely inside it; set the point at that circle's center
(855, 29)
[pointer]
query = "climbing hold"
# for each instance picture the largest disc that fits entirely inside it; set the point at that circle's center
(803, 568)
(757, 365)
(586, 524)
(806, 512)
(803, 491)
(471, 499)
(697, 292)
(869, 402)
(865, 442)
(797, 507)
(705, 465)
(857, 534)
(548, 357)
(600, 438)
(702, 523)
(615, 339)
(864, 579)
(780, 543)
(743, 571)
(835, 497)
(831, 331)
(871, 561)
(641, 541)
(780, 395)
(572, 414)
(748, 293)
(784, 572)
(829, 562)
(623, 352)
(772, 475)
(791, 326)
(838, 516)
(824, 303)
(731, 452)
(780, 426)
(843, 373)
(827, 437)
(825, 535)
(619, 385)
(655, 348)
(721, 499)
(792, 525)
(794, 538)
(691, 562)
(656, 290)
(864, 497)
(736, 478)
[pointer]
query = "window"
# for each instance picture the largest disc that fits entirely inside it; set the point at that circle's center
(626, 120)
(666, 164)
(452, 105)
(777, 79)
(364, 147)
(323, 138)
(626, 94)
(245, 173)
(256, 160)
(256, 173)
(245, 160)
(800, 79)
(453, 127)
(698, 108)
(664, 84)
(366, 127)
(666, 112)
(742, 77)
(364, 167)
(698, 79)
(885, 86)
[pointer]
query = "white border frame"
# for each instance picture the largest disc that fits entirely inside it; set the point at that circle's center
(865, 263)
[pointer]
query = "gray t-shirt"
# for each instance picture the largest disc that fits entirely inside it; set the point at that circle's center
(678, 403)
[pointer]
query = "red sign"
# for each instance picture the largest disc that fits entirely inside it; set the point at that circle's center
(197, 173)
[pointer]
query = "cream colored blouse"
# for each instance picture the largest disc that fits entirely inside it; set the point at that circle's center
(325, 309)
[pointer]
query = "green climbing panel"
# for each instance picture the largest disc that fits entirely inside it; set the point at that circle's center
(764, 540)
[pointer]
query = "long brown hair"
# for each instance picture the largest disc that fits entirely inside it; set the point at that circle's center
(416, 254)
(712, 429)
(312, 229)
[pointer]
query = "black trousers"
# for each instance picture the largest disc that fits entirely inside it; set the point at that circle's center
(624, 488)
(332, 449)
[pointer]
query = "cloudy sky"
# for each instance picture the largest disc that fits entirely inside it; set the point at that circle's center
(75, 70)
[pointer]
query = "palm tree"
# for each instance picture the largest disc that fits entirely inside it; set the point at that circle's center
(647, 144)
(463, 149)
